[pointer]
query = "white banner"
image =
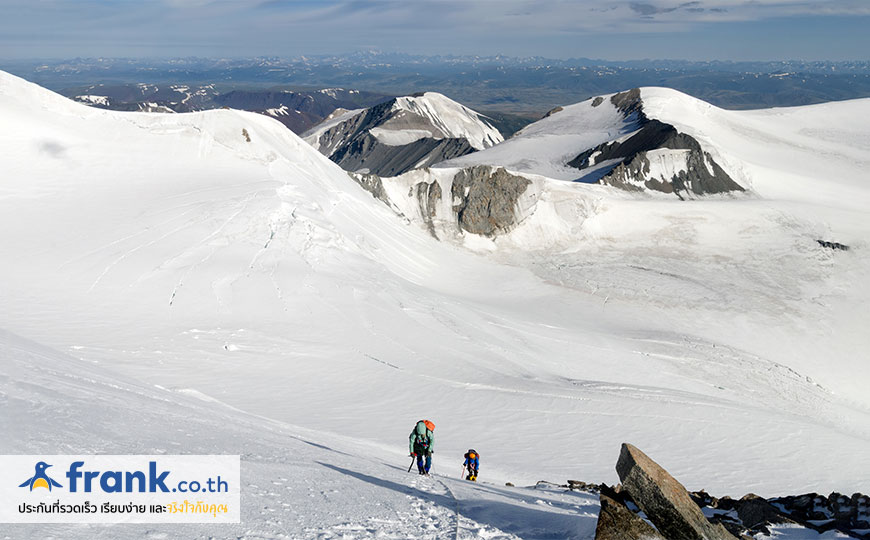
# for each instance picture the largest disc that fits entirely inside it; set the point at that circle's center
(120, 489)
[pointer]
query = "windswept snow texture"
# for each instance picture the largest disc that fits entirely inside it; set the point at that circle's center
(402, 134)
(217, 254)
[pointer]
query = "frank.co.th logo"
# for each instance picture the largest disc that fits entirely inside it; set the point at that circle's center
(150, 479)
(119, 489)
(40, 478)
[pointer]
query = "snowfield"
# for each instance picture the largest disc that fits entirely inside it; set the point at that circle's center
(225, 296)
(295, 483)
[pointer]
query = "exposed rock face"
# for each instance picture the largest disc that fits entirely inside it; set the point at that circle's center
(663, 499)
(367, 153)
(628, 102)
(373, 184)
(617, 522)
(429, 197)
(328, 141)
(485, 201)
(656, 157)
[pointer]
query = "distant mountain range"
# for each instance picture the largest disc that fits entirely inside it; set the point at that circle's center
(526, 86)
(298, 110)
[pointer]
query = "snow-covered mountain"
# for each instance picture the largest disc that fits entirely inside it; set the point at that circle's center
(405, 133)
(220, 257)
(615, 140)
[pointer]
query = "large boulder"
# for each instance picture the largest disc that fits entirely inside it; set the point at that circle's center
(663, 499)
(617, 522)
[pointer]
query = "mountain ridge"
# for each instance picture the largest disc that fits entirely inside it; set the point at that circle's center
(401, 134)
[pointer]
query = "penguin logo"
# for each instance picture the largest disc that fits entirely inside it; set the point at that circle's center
(40, 479)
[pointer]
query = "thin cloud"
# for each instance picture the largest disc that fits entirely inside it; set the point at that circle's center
(290, 27)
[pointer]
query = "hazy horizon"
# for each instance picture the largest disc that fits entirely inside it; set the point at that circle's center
(348, 53)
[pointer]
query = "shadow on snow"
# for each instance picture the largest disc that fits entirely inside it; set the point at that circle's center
(521, 516)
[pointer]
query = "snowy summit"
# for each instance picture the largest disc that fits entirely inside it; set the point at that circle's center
(401, 134)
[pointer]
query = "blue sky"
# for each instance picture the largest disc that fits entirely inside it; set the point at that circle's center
(613, 30)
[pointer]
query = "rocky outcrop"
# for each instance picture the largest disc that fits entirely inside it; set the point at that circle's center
(677, 514)
(617, 522)
(656, 157)
(663, 499)
(628, 103)
(836, 511)
(485, 200)
(577, 485)
(660, 158)
(374, 185)
(482, 200)
(833, 245)
(553, 111)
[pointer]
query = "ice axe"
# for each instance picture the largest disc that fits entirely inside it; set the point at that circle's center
(413, 459)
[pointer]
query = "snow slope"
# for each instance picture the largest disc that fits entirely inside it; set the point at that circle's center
(715, 335)
(805, 166)
(296, 483)
(812, 154)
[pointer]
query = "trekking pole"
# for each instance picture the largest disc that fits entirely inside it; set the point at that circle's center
(462, 474)
(413, 459)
